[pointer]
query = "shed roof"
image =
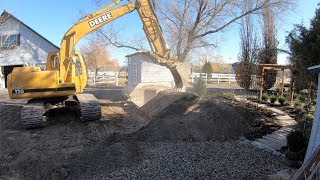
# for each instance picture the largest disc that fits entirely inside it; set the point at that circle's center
(138, 53)
(314, 69)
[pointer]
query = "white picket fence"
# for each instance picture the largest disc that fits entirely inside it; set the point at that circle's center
(107, 77)
(215, 78)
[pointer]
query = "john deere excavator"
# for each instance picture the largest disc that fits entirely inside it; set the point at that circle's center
(63, 81)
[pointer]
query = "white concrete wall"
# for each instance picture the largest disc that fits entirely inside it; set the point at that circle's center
(314, 140)
(33, 48)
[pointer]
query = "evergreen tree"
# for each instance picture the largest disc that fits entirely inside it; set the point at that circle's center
(304, 45)
(207, 68)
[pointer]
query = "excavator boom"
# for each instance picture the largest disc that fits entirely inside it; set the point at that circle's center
(180, 71)
(151, 26)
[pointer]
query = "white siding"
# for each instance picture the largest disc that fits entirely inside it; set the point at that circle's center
(141, 69)
(134, 67)
(33, 48)
(2, 84)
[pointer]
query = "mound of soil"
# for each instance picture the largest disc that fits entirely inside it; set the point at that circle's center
(259, 122)
(161, 101)
(189, 118)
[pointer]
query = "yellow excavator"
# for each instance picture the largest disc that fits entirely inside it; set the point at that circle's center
(62, 82)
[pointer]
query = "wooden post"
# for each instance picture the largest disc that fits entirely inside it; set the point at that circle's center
(261, 84)
(206, 78)
(282, 82)
(292, 89)
(192, 78)
(117, 78)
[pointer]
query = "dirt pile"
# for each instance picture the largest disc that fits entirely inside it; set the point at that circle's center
(186, 117)
(143, 93)
(161, 101)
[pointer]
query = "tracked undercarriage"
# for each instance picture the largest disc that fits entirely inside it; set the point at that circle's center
(35, 113)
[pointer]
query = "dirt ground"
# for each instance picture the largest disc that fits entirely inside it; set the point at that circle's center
(163, 141)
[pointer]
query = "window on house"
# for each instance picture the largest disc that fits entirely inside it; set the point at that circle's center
(10, 41)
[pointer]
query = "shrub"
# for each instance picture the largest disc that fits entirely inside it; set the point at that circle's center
(200, 87)
(265, 97)
(301, 98)
(296, 141)
(297, 103)
(273, 99)
(309, 117)
(282, 100)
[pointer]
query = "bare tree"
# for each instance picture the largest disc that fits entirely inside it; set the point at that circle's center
(249, 49)
(97, 57)
(191, 23)
(268, 53)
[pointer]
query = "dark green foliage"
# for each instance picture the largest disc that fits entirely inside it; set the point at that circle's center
(296, 141)
(207, 68)
(304, 45)
(199, 87)
(243, 74)
(309, 117)
(282, 100)
(270, 77)
(265, 97)
(273, 99)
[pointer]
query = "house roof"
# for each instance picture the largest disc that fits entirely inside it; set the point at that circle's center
(314, 69)
(7, 14)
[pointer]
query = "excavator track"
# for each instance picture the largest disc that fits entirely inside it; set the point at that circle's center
(32, 116)
(90, 108)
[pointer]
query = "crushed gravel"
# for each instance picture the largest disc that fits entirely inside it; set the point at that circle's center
(192, 160)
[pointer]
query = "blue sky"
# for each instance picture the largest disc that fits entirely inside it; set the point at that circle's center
(53, 18)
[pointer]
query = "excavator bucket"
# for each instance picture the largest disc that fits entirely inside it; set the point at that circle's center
(181, 74)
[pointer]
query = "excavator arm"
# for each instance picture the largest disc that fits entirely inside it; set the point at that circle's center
(181, 71)
(152, 29)
(87, 25)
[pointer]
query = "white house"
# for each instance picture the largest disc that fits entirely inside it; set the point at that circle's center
(20, 45)
(314, 140)
(143, 70)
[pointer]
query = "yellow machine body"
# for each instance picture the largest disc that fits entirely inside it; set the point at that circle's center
(65, 72)
(32, 82)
